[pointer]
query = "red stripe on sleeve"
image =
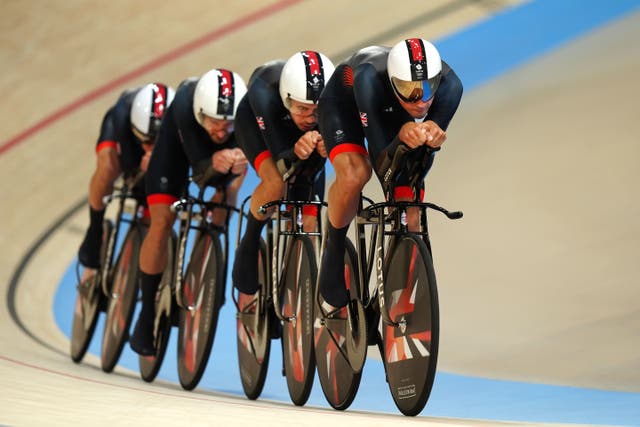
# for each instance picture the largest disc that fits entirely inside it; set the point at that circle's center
(347, 148)
(107, 144)
(161, 199)
(266, 154)
(403, 192)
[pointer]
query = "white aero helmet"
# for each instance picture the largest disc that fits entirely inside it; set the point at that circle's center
(148, 108)
(414, 67)
(217, 95)
(304, 76)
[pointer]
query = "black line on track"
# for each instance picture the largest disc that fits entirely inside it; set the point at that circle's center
(24, 263)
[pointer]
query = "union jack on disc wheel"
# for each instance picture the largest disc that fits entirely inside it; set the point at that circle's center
(411, 347)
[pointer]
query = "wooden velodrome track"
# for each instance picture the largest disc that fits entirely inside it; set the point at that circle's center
(541, 274)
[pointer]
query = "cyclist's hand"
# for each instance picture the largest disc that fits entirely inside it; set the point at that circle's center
(307, 144)
(222, 160)
(413, 134)
(240, 163)
(435, 136)
(144, 162)
(321, 148)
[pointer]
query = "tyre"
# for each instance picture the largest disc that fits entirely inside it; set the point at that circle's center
(410, 350)
(253, 326)
(297, 294)
(203, 295)
(122, 299)
(165, 309)
(86, 309)
(339, 381)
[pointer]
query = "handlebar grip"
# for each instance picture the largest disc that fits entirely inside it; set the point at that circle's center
(455, 215)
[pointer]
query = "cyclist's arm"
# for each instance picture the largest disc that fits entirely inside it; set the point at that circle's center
(267, 107)
(197, 146)
(369, 92)
(447, 98)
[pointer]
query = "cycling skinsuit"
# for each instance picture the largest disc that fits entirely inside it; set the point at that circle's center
(181, 143)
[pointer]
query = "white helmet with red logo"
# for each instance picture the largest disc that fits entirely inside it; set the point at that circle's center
(304, 76)
(148, 108)
(414, 67)
(217, 95)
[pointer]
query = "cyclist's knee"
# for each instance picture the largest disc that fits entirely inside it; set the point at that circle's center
(273, 188)
(352, 172)
(161, 220)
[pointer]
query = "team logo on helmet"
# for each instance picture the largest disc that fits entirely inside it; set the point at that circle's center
(418, 59)
(225, 93)
(315, 74)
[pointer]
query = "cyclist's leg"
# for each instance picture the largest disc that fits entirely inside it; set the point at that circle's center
(270, 188)
(405, 194)
(304, 189)
(403, 191)
(338, 120)
(153, 260)
(101, 184)
(352, 173)
(166, 177)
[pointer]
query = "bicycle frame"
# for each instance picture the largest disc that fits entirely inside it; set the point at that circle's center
(122, 194)
(276, 237)
(391, 213)
(187, 217)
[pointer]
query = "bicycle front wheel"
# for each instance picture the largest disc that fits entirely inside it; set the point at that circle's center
(411, 346)
(87, 306)
(202, 294)
(122, 299)
(297, 291)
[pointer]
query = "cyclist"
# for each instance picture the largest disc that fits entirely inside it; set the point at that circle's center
(277, 126)
(128, 133)
(405, 95)
(197, 132)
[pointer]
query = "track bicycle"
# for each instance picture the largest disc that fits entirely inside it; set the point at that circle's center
(191, 298)
(283, 305)
(114, 287)
(400, 313)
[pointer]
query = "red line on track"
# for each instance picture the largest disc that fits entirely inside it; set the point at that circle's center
(151, 65)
